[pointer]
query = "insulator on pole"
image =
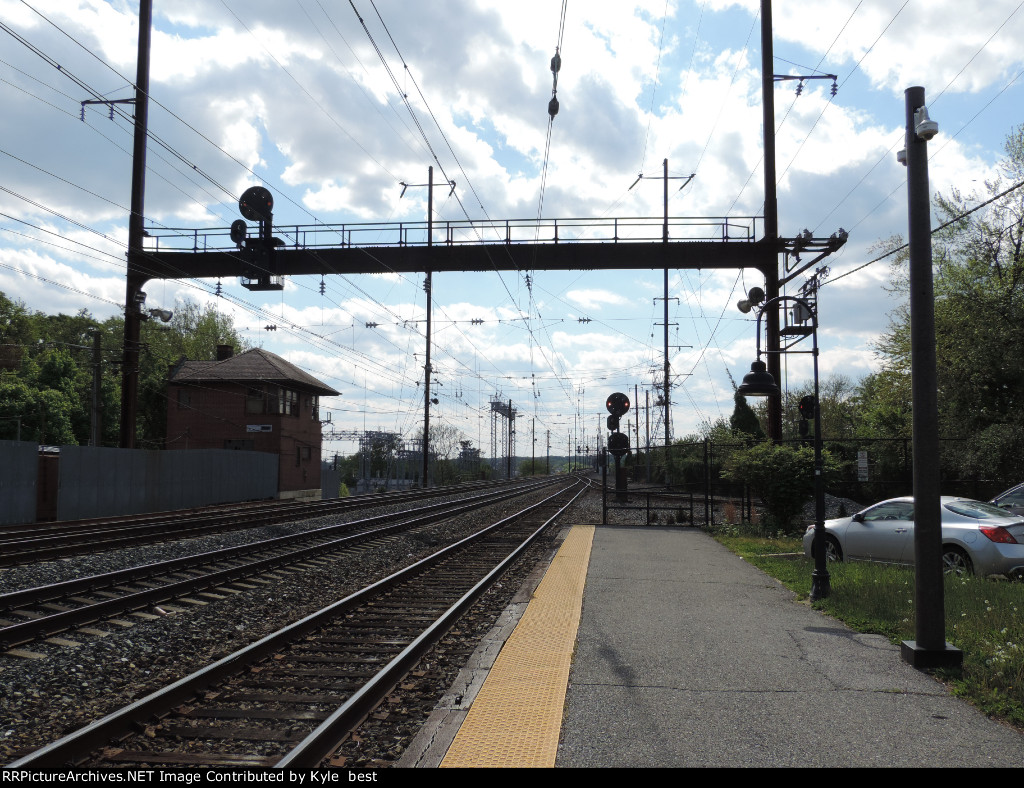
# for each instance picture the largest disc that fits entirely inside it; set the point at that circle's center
(553, 106)
(556, 63)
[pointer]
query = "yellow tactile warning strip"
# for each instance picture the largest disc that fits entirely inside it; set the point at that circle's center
(517, 717)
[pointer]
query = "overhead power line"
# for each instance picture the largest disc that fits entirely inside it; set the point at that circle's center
(942, 226)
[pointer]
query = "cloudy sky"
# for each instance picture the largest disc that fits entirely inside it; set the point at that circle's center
(332, 106)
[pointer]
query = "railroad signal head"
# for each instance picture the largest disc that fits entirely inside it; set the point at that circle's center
(617, 404)
(618, 444)
(807, 407)
(256, 204)
(238, 231)
(613, 423)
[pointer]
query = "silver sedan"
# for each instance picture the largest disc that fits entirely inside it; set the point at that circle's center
(977, 538)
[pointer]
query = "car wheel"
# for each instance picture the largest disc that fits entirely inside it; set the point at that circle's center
(833, 552)
(956, 562)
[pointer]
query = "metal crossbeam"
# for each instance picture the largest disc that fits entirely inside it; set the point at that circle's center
(483, 257)
(494, 245)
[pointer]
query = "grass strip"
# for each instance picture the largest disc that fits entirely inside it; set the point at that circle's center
(984, 618)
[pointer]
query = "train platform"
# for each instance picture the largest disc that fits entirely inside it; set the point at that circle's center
(657, 647)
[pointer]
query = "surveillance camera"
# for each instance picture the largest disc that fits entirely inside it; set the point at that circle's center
(924, 126)
(927, 129)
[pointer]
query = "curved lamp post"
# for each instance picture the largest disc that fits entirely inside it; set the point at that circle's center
(759, 383)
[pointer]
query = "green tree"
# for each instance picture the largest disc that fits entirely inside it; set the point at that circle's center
(47, 372)
(534, 467)
(17, 414)
(16, 323)
(979, 311)
(744, 422)
(46, 369)
(43, 415)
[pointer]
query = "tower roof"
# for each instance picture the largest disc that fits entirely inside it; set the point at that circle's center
(256, 365)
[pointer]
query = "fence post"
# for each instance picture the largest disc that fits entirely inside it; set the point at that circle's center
(604, 489)
(711, 488)
(707, 484)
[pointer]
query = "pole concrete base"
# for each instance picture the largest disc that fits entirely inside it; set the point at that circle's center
(922, 658)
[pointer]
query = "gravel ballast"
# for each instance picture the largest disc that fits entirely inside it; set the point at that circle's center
(69, 686)
(53, 688)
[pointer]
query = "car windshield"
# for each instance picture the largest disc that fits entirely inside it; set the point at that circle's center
(977, 510)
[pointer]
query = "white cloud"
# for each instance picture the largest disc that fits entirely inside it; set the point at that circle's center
(303, 105)
(595, 298)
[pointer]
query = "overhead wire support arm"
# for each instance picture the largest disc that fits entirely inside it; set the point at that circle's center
(803, 243)
(108, 102)
(800, 83)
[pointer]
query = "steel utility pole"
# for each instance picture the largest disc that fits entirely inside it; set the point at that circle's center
(428, 287)
(930, 650)
(664, 240)
(134, 297)
(668, 381)
(511, 438)
(647, 431)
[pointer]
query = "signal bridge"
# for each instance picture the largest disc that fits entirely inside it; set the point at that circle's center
(466, 245)
(263, 259)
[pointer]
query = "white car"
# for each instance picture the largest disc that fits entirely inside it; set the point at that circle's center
(977, 538)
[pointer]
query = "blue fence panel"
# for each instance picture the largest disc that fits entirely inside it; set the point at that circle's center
(19, 465)
(102, 482)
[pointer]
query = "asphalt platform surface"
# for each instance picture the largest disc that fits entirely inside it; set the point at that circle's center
(687, 656)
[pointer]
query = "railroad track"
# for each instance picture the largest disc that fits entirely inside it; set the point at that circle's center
(33, 613)
(289, 699)
(31, 543)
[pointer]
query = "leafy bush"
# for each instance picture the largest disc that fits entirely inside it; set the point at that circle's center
(782, 476)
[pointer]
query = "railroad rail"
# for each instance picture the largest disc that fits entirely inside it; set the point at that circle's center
(290, 699)
(33, 613)
(21, 544)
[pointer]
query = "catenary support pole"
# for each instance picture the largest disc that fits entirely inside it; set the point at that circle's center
(135, 279)
(668, 382)
(771, 213)
(428, 286)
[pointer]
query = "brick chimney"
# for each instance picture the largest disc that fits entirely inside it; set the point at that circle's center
(224, 352)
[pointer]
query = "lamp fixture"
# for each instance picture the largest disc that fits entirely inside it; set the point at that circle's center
(758, 382)
(754, 297)
(164, 315)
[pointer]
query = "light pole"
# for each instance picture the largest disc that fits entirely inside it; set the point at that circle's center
(929, 649)
(759, 383)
